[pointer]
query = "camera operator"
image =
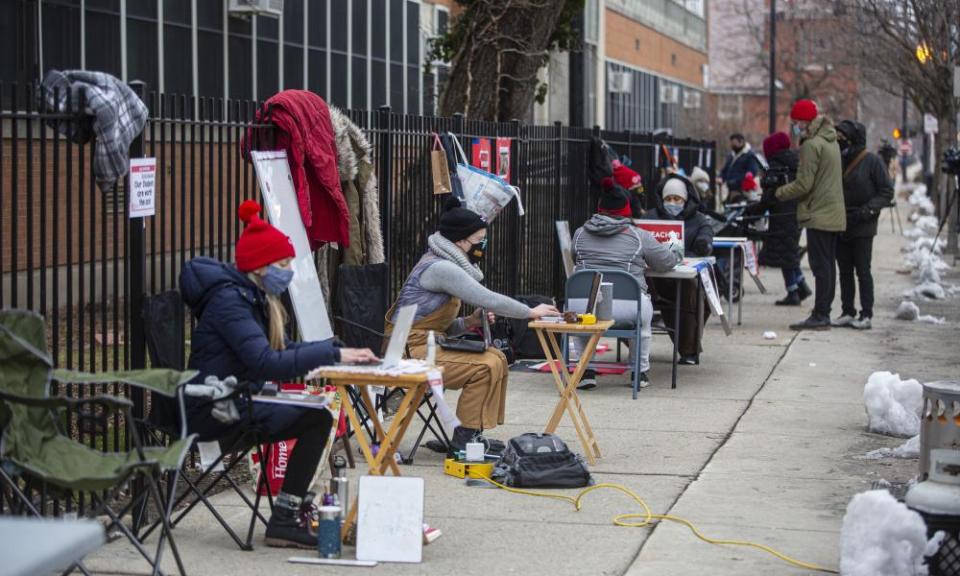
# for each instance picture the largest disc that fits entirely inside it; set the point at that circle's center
(781, 245)
(866, 191)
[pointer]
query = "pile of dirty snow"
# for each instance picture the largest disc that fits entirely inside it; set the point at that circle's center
(893, 405)
(882, 537)
(923, 256)
(909, 449)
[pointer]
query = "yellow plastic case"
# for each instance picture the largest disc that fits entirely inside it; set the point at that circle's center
(458, 469)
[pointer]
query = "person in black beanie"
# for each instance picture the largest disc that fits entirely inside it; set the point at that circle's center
(446, 276)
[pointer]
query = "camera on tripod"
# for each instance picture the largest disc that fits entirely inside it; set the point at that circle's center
(775, 177)
(951, 161)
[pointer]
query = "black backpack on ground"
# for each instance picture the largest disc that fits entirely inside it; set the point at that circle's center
(524, 341)
(540, 461)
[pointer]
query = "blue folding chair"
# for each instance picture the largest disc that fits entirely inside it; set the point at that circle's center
(626, 286)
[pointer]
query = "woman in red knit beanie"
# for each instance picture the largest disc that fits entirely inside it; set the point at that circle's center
(240, 332)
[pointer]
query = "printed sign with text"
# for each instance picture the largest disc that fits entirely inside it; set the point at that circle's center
(481, 154)
(503, 159)
(143, 185)
(661, 229)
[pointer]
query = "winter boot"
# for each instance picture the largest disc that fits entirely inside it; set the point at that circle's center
(792, 299)
(291, 527)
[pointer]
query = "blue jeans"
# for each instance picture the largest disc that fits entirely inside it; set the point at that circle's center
(792, 277)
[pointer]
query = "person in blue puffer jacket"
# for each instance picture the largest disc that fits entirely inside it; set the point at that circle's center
(240, 332)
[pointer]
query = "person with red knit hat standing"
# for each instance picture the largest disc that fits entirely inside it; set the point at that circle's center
(240, 332)
(632, 183)
(818, 190)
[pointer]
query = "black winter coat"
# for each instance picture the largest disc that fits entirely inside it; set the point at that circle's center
(230, 338)
(697, 232)
(736, 167)
(781, 244)
(867, 188)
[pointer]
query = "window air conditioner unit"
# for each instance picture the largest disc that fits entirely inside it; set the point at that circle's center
(669, 93)
(262, 7)
(691, 99)
(621, 82)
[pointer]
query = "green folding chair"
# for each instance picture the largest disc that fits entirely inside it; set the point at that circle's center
(35, 447)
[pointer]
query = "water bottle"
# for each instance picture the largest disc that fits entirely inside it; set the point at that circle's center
(328, 532)
(431, 348)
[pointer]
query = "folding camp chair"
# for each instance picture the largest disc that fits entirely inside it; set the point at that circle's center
(362, 296)
(164, 327)
(36, 445)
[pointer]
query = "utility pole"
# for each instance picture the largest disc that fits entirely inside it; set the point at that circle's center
(773, 67)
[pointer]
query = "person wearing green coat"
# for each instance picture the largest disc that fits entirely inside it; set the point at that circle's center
(818, 190)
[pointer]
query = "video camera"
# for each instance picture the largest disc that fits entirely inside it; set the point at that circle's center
(951, 161)
(775, 177)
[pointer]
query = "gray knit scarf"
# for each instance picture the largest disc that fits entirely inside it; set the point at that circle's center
(447, 250)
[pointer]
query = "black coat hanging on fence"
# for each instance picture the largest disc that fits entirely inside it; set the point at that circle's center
(361, 305)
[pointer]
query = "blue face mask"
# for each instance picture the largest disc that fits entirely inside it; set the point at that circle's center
(277, 280)
(797, 130)
(673, 210)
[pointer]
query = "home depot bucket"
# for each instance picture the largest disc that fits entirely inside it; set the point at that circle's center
(939, 420)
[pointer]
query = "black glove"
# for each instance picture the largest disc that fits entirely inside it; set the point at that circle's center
(866, 213)
(702, 247)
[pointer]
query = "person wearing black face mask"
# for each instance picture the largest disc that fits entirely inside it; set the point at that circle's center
(740, 161)
(867, 189)
(444, 278)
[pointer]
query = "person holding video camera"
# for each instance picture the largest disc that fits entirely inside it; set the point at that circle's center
(781, 244)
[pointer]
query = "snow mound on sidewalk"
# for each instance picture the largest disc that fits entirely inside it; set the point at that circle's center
(907, 310)
(909, 449)
(920, 201)
(882, 537)
(929, 290)
(893, 405)
(931, 319)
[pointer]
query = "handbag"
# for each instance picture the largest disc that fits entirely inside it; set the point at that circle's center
(439, 168)
(462, 345)
(484, 193)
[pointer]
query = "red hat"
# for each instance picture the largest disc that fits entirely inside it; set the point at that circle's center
(613, 199)
(748, 183)
(804, 111)
(626, 177)
(260, 243)
(776, 142)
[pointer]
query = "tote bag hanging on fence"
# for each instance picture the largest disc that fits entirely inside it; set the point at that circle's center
(484, 193)
(439, 168)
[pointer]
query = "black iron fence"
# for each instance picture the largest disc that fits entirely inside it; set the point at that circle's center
(68, 250)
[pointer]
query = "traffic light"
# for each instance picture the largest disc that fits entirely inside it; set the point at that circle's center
(897, 134)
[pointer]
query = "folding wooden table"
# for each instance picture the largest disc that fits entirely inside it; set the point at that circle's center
(548, 333)
(415, 387)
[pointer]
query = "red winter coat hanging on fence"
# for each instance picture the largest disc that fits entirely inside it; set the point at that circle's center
(302, 127)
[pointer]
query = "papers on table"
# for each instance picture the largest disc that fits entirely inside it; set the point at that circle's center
(406, 366)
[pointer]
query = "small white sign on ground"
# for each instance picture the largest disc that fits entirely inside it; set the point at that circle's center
(282, 209)
(390, 519)
(143, 186)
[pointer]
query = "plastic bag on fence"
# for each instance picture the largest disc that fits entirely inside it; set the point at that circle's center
(447, 141)
(484, 193)
(439, 168)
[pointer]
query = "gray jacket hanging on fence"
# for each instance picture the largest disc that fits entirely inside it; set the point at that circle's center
(118, 117)
(359, 184)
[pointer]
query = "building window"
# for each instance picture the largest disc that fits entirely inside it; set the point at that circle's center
(729, 107)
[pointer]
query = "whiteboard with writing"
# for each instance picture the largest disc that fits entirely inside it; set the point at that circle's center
(390, 519)
(283, 211)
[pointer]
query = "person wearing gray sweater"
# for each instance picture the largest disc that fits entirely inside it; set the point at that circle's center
(610, 241)
(444, 278)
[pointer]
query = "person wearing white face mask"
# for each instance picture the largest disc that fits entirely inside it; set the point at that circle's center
(677, 199)
(701, 181)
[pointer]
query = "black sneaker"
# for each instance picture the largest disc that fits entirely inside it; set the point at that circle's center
(462, 435)
(644, 380)
(589, 380)
(792, 299)
(689, 360)
(812, 323)
(292, 529)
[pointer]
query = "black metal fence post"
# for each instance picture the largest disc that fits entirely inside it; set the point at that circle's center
(515, 163)
(136, 262)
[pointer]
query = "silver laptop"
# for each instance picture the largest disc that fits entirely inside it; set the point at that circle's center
(398, 339)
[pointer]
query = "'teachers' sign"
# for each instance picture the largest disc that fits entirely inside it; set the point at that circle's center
(661, 229)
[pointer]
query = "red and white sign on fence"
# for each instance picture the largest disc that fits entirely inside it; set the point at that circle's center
(661, 229)
(143, 185)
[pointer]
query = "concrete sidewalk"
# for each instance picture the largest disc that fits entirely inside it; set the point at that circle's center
(763, 441)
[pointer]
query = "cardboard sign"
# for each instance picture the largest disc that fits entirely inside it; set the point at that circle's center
(503, 159)
(390, 519)
(713, 298)
(661, 229)
(481, 154)
(143, 187)
(750, 254)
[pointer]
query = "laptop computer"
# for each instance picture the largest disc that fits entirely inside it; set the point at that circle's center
(398, 340)
(594, 292)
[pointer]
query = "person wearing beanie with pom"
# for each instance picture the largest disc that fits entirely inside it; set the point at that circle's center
(447, 276)
(611, 241)
(240, 332)
(630, 181)
(781, 243)
(677, 199)
(818, 190)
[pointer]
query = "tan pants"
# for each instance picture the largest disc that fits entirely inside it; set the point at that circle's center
(481, 377)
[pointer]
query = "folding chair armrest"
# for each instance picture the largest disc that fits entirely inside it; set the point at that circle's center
(160, 380)
(62, 402)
